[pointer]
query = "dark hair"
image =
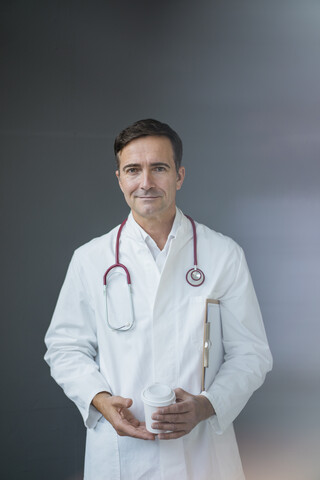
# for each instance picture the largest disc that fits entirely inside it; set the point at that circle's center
(145, 128)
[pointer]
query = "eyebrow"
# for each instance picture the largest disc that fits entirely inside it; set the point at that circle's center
(154, 164)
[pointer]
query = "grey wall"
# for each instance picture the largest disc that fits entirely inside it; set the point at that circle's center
(239, 80)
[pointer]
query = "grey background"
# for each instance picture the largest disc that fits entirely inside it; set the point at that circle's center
(239, 80)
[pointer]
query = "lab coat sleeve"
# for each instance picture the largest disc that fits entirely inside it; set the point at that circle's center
(247, 355)
(72, 345)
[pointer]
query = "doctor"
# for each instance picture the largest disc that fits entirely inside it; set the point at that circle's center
(103, 357)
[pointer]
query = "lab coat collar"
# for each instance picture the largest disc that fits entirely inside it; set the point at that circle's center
(134, 229)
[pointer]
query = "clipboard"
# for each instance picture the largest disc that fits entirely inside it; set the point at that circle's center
(213, 352)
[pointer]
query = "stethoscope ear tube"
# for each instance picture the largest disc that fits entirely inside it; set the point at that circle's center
(128, 325)
(195, 276)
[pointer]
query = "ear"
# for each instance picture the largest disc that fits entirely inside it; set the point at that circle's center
(180, 177)
(117, 172)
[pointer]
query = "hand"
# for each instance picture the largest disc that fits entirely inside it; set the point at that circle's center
(182, 416)
(116, 411)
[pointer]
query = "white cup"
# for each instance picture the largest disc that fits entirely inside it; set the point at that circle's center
(155, 396)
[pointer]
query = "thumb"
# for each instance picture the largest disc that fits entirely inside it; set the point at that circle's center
(180, 394)
(121, 402)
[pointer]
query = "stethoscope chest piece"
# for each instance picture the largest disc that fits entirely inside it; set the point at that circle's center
(195, 277)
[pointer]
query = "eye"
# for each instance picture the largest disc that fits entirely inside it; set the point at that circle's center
(132, 170)
(160, 169)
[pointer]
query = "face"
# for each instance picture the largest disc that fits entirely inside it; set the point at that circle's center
(148, 178)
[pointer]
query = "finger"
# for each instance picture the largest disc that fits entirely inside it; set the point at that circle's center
(171, 435)
(125, 417)
(167, 427)
(146, 434)
(180, 394)
(127, 425)
(126, 414)
(174, 427)
(131, 420)
(171, 418)
(141, 432)
(175, 408)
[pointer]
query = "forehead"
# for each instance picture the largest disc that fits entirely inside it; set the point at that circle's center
(147, 149)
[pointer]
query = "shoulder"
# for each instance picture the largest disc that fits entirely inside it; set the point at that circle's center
(217, 240)
(97, 247)
(220, 253)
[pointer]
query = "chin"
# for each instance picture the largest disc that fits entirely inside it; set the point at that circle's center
(147, 213)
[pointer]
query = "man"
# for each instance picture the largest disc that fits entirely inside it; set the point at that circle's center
(104, 350)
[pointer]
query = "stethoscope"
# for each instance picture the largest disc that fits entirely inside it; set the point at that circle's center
(195, 276)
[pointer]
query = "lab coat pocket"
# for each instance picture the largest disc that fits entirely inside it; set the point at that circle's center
(102, 453)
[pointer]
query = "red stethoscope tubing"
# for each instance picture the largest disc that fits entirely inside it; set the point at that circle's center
(195, 259)
(189, 275)
(118, 264)
(195, 277)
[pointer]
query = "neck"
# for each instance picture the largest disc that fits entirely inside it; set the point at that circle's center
(157, 227)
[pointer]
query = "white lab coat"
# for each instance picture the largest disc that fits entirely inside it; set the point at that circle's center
(165, 345)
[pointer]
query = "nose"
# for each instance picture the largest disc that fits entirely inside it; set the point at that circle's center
(146, 180)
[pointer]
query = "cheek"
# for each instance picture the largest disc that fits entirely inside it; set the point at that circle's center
(174, 187)
(128, 187)
(167, 185)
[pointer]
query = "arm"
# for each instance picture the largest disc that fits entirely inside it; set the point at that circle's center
(72, 345)
(247, 356)
(72, 348)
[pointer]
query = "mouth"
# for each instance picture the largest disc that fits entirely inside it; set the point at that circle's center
(149, 197)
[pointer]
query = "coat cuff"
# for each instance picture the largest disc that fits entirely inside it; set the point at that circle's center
(214, 419)
(90, 414)
(83, 394)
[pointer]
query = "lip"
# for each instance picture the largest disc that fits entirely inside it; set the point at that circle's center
(149, 198)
